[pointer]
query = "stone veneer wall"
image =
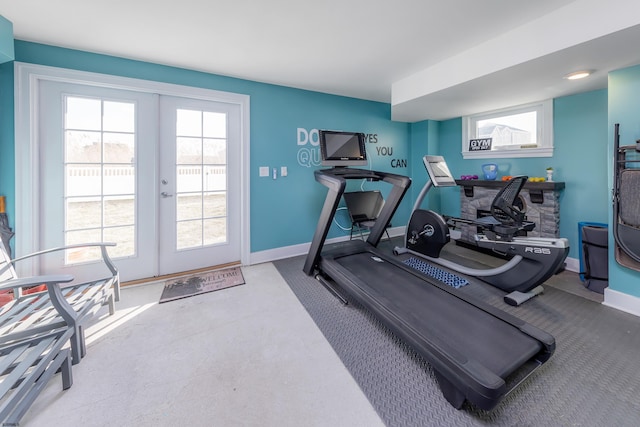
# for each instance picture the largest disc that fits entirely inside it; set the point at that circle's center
(545, 215)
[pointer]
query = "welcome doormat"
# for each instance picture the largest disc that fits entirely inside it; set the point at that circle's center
(184, 287)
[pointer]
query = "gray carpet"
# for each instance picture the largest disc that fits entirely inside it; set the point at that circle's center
(593, 378)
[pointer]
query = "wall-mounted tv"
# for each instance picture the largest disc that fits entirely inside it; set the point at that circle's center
(341, 149)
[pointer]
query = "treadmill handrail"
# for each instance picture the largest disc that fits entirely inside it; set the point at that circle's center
(335, 180)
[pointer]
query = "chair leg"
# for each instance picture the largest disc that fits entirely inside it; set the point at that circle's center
(112, 304)
(67, 374)
(78, 347)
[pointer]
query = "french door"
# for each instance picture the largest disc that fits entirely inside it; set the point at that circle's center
(199, 186)
(159, 175)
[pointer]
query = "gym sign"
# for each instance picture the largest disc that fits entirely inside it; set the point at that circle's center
(481, 144)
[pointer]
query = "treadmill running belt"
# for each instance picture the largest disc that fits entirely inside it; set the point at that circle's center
(441, 318)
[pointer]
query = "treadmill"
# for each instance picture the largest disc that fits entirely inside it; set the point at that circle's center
(478, 352)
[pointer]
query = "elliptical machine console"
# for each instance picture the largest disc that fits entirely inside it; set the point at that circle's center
(532, 260)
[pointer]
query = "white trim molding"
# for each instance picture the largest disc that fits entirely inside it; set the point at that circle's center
(544, 132)
(303, 248)
(27, 99)
(621, 301)
(572, 264)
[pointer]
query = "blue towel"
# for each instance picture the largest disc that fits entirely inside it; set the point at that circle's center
(435, 272)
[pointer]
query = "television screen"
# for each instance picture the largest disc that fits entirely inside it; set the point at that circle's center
(342, 148)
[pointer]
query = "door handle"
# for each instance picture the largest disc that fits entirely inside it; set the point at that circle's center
(164, 194)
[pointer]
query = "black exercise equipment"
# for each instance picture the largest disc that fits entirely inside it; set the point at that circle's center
(531, 260)
(626, 203)
(478, 352)
(595, 252)
(364, 208)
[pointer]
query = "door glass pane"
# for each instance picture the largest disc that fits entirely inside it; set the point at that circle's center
(119, 117)
(119, 147)
(83, 180)
(214, 125)
(83, 113)
(215, 230)
(189, 206)
(80, 255)
(189, 179)
(189, 151)
(215, 178)
(119, 210)
(83, 212)
(189, 234)
(82, 146)
(201, 178)
(100, 176)
(119, 179)
(189, 123)
(215, 151)
(215, 204)
(123, 237)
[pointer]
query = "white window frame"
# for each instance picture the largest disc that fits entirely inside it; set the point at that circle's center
(544, 110)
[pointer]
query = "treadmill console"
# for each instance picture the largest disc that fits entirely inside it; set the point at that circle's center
(438, 171)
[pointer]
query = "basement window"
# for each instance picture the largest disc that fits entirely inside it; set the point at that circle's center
(523, 131)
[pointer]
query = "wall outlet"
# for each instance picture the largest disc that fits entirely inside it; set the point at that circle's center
(283, 171)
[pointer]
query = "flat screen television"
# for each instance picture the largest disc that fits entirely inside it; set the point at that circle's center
(342, 149)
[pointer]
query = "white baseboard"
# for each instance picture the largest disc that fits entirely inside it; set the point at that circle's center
(572, 264)
(621, 301)
(303, 248)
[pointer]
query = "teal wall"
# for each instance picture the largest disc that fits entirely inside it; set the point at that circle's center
(7, 149)
(284, 211)
(450, 143)
(6, 40)
(624, 108)
(432, 131)
(579, 160)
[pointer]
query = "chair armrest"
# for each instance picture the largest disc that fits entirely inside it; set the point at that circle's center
(54, 291)
(35, 281)
(103, 248)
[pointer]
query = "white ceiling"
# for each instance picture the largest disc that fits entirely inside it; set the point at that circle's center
(431, 59)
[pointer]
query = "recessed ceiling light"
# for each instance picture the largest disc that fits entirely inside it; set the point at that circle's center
(577, 75)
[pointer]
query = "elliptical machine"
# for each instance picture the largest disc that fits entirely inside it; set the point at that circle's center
(531, 260)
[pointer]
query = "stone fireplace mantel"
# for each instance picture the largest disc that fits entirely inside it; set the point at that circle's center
(540, 201)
